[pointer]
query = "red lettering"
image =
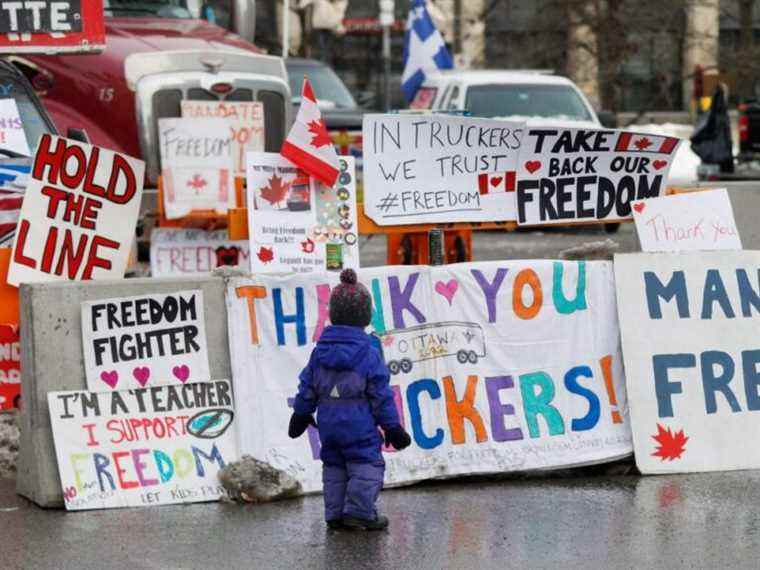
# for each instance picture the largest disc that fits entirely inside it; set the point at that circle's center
(44, 158)
(90, 214)
(93, 260)
(89, 185)
(170, 429)
(18, 253)
(121, 166)
(91, 441)
(49, 251)
(73, 260)
(73, 181)
(54, 195)
(115, 426)
(120, 471)
(73, 206)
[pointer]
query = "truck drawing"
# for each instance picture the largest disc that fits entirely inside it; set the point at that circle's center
(404, 347)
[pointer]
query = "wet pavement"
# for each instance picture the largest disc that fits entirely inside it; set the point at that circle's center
(694, 521)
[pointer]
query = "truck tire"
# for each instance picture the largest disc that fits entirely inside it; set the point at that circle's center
(393, 367)
(406, 365)
(462, 357)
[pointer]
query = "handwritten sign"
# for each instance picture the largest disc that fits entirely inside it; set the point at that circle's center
(691, 221)
(194, 252)
(245, 120)
(10, 367)
(79, 213)
(434, 168)
(148, 340)
(12, 135)
(496, 366)
(143, 447)
(572, 175)
(296, 222)
(196, 166)
(689, 325)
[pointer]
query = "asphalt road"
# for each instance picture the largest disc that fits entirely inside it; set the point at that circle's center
(494, 245)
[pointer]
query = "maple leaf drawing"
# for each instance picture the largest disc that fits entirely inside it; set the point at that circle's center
(670, 445)
(197, 183)
(307, 246)
(321, 137)
(276, 191)
(265, 254)
(643, 143)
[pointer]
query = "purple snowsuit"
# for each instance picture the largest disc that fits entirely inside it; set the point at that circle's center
(346, 382)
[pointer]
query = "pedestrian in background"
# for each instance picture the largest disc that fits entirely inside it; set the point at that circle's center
(346, 383)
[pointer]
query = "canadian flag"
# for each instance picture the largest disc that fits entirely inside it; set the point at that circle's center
(633, 142)
(499, 182)
(308, 145)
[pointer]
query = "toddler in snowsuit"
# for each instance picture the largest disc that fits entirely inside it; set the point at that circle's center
(346, 382)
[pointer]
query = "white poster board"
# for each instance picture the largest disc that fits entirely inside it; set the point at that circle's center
(79, 214)
(496, 367)
(136, 448)
(295, 222)
(177, 251)
(689, 325)
(245, 120)
(196, 166)
(574, 175)
(691, 221)
(436, 168)
(12, 135)
(146, 340)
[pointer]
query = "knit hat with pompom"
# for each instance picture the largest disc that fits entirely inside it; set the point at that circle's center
(350, 302)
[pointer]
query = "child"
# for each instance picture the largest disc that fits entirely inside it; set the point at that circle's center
(346, 381)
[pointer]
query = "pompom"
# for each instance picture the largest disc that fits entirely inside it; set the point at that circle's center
(348, 276)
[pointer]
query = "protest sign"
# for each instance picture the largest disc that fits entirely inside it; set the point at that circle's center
(79, 213)
(689, 326)
(574, 175)
(193, 252)
(143, 447)
(196, 166)
(691, 221)
(295, 222)
(245, 122)
(132, 342)
(497, 366)
(436, 168)
(12, 135)
(52, 26)
(10, 367)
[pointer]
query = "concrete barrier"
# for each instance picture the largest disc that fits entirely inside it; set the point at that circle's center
(52, 360)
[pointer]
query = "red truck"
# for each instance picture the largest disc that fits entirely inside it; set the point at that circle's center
(159, 52)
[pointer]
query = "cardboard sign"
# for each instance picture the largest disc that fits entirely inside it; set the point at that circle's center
(435, 168)
(10, 367)
(689, 325)
(144, 447)
(575, 175)
(246, 124)
(51, 26)
(175, 252)
(12, 135)
(295, 222)
(148, 340)
(496, 367)
(687, 222)
(196, 166)
(79, 214)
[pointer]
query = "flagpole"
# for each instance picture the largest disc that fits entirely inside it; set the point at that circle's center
(285, 28)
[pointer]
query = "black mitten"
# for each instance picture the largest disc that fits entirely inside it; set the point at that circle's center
(397, 437)
(298, 424)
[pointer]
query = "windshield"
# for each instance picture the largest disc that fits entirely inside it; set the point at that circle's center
(31, 119)
(546, 101)
(327, 86)
(147, 8)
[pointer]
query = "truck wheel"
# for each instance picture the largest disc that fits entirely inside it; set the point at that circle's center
(472, 357)
(406, 365)
(462, 357)
(393, 366)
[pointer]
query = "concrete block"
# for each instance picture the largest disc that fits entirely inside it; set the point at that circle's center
(52, 360)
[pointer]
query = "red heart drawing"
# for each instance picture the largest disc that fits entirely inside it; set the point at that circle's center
(496, 181)
(447, 290)
(657, 164)
(639, 207)
(141, 374)
(532, 165)
(227, 255)
(182, 373)
(110, 378)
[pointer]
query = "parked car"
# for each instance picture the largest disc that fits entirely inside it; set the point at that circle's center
(340, 111)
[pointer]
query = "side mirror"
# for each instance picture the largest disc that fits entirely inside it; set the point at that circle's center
(79, 135)
(608, 119)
